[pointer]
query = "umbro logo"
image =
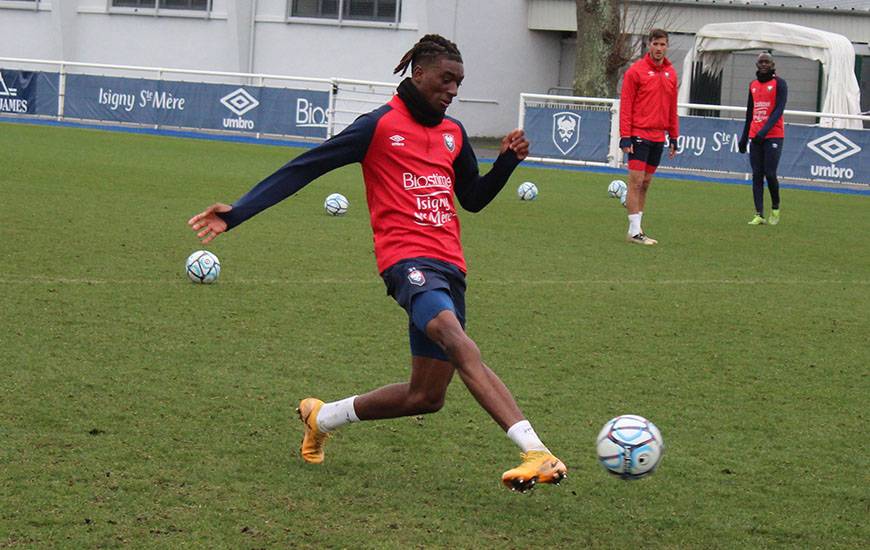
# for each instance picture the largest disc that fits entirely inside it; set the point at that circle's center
(398, 141)
(834, 147)
(239, 101)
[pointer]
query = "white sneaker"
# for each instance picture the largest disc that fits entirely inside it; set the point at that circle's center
(640, 238)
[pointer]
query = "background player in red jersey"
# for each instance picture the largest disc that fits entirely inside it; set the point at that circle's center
(415, 161)
(648, 109)
(764, 126)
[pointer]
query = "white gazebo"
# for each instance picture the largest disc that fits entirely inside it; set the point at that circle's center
(840, 91)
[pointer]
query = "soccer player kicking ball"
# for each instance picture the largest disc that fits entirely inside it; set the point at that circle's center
(414, 160)
(647, 109)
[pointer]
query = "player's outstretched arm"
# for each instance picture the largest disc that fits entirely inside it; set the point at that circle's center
(208, 224)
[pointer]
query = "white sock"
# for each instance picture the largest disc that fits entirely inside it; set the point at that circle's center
(640, 221)
(525, 437)
(634, 224)
(336, 414)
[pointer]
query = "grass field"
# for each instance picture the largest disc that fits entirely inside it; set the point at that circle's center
(138, 409)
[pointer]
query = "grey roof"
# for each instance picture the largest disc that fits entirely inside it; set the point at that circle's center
(860, 6)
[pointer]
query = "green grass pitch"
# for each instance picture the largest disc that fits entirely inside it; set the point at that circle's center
(138, 409)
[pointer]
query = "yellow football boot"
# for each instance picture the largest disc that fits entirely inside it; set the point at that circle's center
(312, 439)
(537, 467)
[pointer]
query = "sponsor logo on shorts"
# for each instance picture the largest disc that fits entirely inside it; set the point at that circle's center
(416, 277)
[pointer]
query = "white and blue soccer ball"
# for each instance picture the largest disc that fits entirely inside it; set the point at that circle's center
(527, 191)
(617, 189)
(630, 446)
(336, 204)
(203, 267)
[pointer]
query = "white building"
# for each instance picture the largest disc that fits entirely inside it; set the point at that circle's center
(509, 46)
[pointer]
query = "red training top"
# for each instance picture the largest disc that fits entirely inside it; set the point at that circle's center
(764, 100)
(411, 171)
(648, 103)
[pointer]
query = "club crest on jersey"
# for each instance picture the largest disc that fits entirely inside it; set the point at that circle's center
(769, 88)
(449, 142)
(416, 277)
(566, 131)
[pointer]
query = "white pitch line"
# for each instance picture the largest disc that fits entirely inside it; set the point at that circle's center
(472, 282)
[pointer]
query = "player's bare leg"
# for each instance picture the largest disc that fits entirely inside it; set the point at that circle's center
(636, 191)
(638, 184)
(539, 465)
(424, 393)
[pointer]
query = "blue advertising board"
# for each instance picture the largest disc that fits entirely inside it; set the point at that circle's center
(705, 144)
(808, 152)
(563, 132)
(28, 92)
(197, 105)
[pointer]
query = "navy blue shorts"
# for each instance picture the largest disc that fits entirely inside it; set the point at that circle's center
(408, 279)
(647, 155)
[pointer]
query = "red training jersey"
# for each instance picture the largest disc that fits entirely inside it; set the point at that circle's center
(412, 173)
(764, 100)
(648, 102)
(409, 177)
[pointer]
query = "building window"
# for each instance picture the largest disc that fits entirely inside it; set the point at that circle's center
(194, 5)
(355, 10)
(32, 5)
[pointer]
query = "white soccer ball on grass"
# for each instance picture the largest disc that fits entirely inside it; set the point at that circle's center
(527, 191)
(336, 204)
(617, 189)
(630, 446)
(203, 267)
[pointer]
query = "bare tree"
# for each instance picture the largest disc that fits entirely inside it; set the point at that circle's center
(603, 47)
(605, 44)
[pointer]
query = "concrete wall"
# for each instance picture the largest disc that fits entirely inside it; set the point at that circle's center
(502, 56)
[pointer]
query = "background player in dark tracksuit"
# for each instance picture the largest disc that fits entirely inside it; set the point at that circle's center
(414, 161)
(764, 127)
(647, 109)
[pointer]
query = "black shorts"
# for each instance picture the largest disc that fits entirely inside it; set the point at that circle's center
(408, 278)
(647, 155)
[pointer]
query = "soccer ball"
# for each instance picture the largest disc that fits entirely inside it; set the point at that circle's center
(617, 189)
(630, 446)
(336, 204)
(622, 199)
(203, 267)
(527, 191)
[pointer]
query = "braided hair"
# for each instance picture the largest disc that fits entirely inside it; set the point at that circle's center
(427, 49)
